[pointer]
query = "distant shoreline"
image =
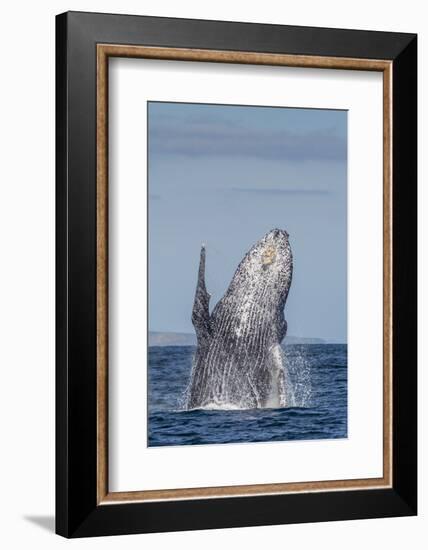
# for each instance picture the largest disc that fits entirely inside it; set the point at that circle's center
(163, 339)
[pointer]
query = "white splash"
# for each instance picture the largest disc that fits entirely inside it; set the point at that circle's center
(282, 384)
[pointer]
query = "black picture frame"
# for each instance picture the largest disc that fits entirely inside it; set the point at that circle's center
(77, 511)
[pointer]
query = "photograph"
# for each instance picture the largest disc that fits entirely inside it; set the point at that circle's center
(214, 252)
(235, 275)
(247, 273)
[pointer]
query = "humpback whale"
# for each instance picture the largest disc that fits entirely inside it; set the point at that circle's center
(238, 361)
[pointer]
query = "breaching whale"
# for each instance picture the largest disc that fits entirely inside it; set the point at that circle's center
(238, 361)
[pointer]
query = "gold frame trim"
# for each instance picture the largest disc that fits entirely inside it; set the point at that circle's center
(104, 51)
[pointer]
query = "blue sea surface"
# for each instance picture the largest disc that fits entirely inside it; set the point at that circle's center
(318, 373)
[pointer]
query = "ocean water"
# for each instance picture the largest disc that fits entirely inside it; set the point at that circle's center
(318, 374)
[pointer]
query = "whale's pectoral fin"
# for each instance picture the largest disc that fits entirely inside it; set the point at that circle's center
(281, 329)
(284, 330)
(201, 312)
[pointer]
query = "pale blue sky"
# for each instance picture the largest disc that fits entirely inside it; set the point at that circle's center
(226, 175)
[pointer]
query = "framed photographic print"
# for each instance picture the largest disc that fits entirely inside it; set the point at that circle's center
(236, 274)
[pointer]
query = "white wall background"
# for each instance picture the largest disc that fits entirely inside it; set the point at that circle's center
(27, 272)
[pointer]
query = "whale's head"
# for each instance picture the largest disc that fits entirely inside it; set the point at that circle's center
(266, 270)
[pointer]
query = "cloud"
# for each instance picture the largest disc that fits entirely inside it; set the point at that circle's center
(206, 138)
(284, 191)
